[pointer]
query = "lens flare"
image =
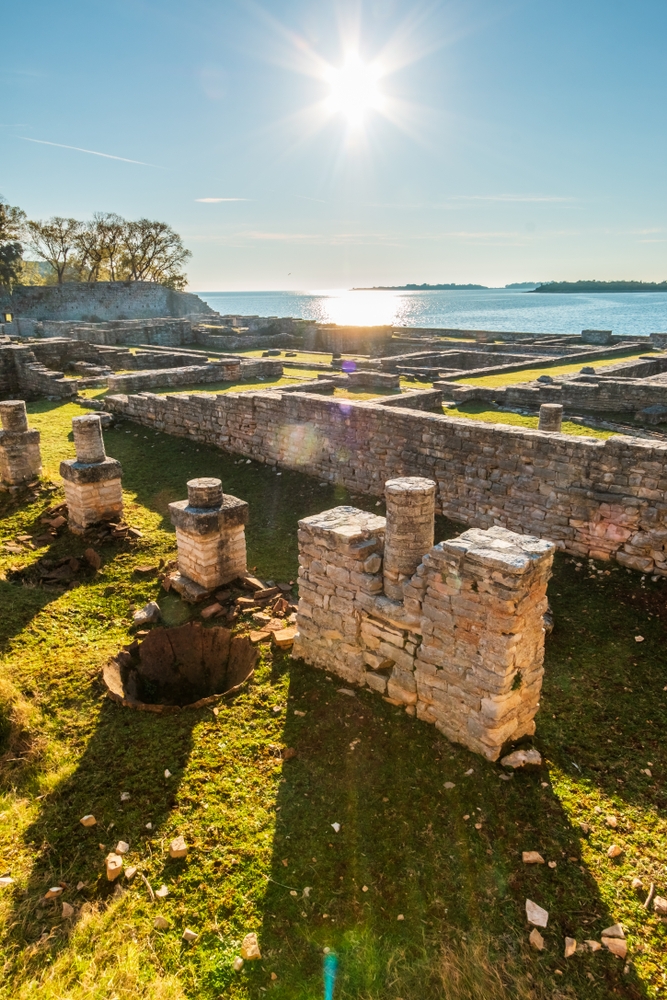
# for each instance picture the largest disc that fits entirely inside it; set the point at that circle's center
(355, 89)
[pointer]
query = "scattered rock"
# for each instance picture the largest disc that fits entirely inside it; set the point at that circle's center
(54, 892)
(260, 635)
(637, 883)
(570, 947)
(552, 864)
(532, 858)
(125, 796)
(68, 911)
(348, 692)
(284, 639)
(400, 917)
(114, 866)
(147, 615)
(660, 906)
(536, 939)
(469, 772)
(80, 886)
(536, 915)
(615, 931)
(585, 828)
(335, 827)
(616, 946)
(289, 753)
(449, 784)
(211, 610)
(88, 820)
(162, 892)
(178, 848)
(122, 847)
(612, 821)
(189, 936)
(167, 773)
(160, 924)
(237, 964)
(92, 558)
(130, 872)
(614, 851)
(250, 947)
(593, 945)
(5, 881)
(145, 570)
(522, 758)
(639, 638)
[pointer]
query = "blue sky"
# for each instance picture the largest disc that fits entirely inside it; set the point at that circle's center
(517, 141)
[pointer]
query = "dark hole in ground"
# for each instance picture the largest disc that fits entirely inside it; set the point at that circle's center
(180, 667)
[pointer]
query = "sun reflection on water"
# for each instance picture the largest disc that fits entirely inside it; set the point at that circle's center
(347, 307)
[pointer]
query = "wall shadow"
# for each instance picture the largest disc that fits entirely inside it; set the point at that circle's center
(409, 846)
(127, 751)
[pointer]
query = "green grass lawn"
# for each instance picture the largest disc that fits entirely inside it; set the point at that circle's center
(259, 829)
(554, 368)
(478, 410)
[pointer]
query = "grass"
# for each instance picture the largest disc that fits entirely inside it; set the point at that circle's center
(478, 410)
(528, 374)
(260, 828)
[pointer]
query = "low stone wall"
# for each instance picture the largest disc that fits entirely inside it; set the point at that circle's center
(593, 393)
(218, 371)
(22, 376)
(604, 498)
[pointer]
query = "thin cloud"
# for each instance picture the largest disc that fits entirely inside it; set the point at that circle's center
(213, 201)
(93, 152)
(510, 197)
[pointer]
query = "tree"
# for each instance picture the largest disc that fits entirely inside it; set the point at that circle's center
(55, 241)
(99, 244)
(12, 223)
(152, 251)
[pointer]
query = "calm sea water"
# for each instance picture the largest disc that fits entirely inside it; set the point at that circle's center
(634, 313)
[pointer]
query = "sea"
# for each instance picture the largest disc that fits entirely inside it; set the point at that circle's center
(625, 313)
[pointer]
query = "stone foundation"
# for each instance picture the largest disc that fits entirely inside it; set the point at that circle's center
(20, 457)
(92, 481)
(210, 534)
(463, 649)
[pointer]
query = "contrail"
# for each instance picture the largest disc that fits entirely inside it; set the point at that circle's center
(93, 152)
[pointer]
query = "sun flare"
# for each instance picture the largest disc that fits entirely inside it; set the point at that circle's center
(355, 90)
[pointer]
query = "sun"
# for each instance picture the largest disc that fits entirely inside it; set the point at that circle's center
(355, 90)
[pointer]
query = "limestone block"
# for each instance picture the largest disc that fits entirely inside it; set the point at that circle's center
(210, 534)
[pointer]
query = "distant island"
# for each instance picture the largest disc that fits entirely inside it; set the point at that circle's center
(420, 288)
(602, 286)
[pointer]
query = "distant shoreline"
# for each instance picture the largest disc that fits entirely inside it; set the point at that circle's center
(422, 288)
(601, 286)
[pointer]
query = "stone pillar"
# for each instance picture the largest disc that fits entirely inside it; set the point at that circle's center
(20, 458)
(479, 667)
(551, 417)
(410, 526)
(210, 534)
(92, 481)
(340, 562)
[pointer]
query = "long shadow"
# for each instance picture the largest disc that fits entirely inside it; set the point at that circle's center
(127, 751)
(605, 709)
(409, 868)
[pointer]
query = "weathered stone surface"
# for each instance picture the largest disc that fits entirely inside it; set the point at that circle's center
(210, 536)
(20, 457)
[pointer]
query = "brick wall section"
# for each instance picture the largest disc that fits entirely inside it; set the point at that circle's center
(465, 650)
(605, 498)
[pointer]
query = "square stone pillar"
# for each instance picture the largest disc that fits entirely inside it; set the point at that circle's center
(340, 559)
(210, 534)
(20, 458)
(92, 481)
(479, 666)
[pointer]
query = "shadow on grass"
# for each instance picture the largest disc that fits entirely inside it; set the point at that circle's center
(409, 870)
(605, 678)
(128, 751)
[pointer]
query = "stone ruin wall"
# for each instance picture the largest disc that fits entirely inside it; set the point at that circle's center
(104, 300)
(592, 497)
(459, 642)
